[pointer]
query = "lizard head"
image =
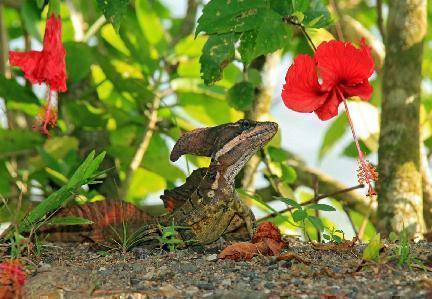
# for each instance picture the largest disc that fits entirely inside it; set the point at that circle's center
(230, 145)
(235, 152)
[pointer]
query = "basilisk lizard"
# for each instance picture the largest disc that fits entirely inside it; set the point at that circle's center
(207, 202)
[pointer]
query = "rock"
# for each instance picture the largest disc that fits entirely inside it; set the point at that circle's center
(237, 294)
(226, 282)
(191, 290)
(204, 285)
(187, 268)
(168, 291)
(211, 257)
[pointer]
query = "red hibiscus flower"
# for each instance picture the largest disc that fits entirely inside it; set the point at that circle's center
(46, 66)
(319, 84)
(344, 71)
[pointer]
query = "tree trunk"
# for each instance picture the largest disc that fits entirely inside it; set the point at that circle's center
(400, 184)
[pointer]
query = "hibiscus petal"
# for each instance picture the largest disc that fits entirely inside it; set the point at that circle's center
(363, 90)
(29, 63)
(302, 92)
(330, 108)
(341, 63)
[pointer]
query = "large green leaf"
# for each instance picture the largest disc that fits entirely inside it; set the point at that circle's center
(218, 52)
(207, 110)
(241, 96)
(156, 159)
(18, 141)
(272, 34)
(79, 58)
(149, 22)
(10, 90)
(31, 16)
(220, 16)
(113, 10)
(144, 182)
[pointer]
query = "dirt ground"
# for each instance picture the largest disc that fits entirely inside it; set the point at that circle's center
(80, 271)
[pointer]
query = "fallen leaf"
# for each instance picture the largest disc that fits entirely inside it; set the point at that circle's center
(240, 251)
(292, 256)
(267, 230)
(343, 246)
(12, 278)
(266, 241)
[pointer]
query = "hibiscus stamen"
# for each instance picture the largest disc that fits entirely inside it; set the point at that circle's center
(48, 116)
(366, 173)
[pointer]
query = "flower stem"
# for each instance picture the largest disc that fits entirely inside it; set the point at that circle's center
(366, 169)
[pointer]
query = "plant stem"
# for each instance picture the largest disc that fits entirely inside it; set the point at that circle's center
(314, 200)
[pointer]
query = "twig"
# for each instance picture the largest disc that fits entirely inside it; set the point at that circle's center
(315, 200)
(294, 21)
(338, 23)
(94, 28)
(143, 146)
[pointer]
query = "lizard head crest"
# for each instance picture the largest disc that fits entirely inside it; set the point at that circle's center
(228, 144)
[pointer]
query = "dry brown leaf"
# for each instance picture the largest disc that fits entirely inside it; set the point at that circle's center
(292, 256)
(267, 230)
(344, 246)
(12, 278)
(266, 241)
(239, 251)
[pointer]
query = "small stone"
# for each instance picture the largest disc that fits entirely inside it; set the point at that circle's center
(212, 257)
(102, 269)
(204, 285)
(191, 290)
(269, 285)
(168, 291)
(226, 282)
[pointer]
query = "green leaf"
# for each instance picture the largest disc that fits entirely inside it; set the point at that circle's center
(114, 11)
(58, 198)
(31, 17)
(231, 16)
(333, 134)
(69, 220)
(289, 175)
(18, 141)
(316, 222)
(149, 22)
(144, 182)
(272, 34)
(317, 15)
(326, 237)
(277, 154)
(289, 202)
(79, 59)
(10, 90)
(372, 251)
(241, 96)
(40, 3)
(321, 207)
(258, 199)
(207, 110)
(299, 215)
(217, 53)
(351, 149)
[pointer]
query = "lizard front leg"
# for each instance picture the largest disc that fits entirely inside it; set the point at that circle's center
(245, 214)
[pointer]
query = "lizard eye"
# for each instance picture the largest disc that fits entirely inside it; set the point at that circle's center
(245, 124)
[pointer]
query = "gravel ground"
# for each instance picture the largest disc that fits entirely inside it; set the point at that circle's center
(80, 271)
